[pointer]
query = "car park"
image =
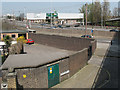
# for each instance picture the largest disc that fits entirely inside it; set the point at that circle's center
(114, 30)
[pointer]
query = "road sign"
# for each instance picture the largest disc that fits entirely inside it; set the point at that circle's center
(91, 30)
(51, 14)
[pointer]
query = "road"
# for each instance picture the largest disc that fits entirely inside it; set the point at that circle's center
(47, 26)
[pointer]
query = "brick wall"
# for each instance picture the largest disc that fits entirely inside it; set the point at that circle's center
(35, 77)
(78, 61)
(38, 77)
(62, 42)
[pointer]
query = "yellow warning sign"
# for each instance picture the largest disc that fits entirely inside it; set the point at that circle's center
(50, 70)
(24, 76)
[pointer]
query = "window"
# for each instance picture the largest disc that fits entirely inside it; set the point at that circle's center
(4, 36)
(13, 36)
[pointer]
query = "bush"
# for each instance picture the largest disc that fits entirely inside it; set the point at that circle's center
(21, 39)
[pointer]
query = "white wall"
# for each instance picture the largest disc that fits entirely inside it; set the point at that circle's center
(70, 15)
(33, 16)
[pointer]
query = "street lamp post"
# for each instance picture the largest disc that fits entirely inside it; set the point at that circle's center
(86, 19)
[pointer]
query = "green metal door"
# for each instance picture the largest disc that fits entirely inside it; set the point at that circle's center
(53, 75)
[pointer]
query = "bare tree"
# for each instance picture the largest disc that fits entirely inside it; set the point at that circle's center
(115, 12)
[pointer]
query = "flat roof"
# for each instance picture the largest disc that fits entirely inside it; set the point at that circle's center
(14, 31)
(36, 55)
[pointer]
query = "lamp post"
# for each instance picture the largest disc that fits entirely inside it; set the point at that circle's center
(92, 14)
(86, 19)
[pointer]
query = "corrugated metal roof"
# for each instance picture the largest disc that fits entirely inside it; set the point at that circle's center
(36, 55)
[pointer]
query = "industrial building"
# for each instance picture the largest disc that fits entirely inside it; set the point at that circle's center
(59, 18)
(14, 34)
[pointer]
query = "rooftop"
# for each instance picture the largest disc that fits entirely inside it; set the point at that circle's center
(14, 31)
(36, 55)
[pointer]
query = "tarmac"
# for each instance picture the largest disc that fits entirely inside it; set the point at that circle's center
(97, 74)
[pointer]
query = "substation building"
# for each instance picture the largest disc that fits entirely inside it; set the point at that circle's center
(53, 60)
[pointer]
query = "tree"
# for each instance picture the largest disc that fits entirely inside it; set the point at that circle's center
(89, 12)
(21, 40)
(7, 39)
(105, 11)
(97, 12)
(93, 11)
(115, 12)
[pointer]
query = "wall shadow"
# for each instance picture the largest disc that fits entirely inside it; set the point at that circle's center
(108, 74)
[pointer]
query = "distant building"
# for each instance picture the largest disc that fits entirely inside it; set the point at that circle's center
(60, 18)
(14, 34)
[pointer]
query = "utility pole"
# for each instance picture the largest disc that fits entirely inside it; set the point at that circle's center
(92, 14)
(51, 14)
(86, 19)
(102, 16)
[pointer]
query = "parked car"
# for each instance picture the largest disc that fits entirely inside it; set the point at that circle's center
(114, 30)
(87, 36)
(59, 26)
(30, 41)
(77, 25)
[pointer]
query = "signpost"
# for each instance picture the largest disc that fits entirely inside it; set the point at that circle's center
(0, 59)
(52, 16)
(92, 31)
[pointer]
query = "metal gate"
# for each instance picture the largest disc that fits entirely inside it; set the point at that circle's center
(53, 75)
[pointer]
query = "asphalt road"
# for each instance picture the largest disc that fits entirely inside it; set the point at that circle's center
(47, 26)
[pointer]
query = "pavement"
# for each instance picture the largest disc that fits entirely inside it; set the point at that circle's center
(85, 77)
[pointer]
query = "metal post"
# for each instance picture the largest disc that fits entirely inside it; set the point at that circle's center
(86, 19)
(92, 14)
(0, 59)
(51, 13)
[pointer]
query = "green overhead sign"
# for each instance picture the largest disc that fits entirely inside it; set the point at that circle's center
(51, 14)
